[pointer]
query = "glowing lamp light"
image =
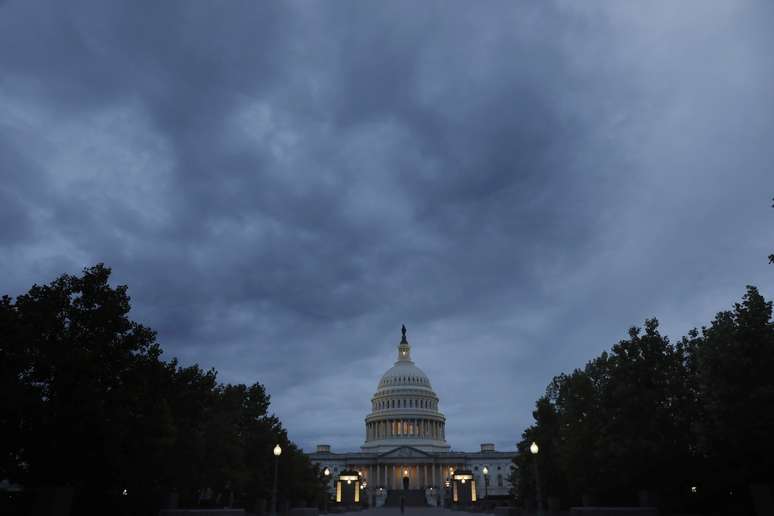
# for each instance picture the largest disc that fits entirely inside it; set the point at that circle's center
(349, 481)
(405, 472)
(327, 472)
(485, 470)
(693, 489)
(277, 451)
(533, 448)
(125, 492)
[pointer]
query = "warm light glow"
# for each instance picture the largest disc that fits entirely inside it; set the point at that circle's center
(405, 472)
(326, 472)
(277, 451)
(473, 494)
(486, 470)
(338, 492)
(349, 481)
(533, 448)
(463, 480)
(693, 489)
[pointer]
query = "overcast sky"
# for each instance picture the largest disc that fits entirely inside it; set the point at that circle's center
(283, 184)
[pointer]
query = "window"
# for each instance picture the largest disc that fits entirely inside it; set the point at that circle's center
(499, 480)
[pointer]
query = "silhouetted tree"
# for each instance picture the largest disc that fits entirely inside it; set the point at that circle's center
(87, 402)
(735, 381)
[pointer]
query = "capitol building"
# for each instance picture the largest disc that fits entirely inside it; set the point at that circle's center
(405, 444)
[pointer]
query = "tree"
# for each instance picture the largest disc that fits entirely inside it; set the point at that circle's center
(735, 373)
(545, 432)
(89, 403)
(68, 347)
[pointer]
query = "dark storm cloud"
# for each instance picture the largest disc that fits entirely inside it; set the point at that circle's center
(281, 185)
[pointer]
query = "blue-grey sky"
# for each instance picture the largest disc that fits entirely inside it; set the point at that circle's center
(283, 184)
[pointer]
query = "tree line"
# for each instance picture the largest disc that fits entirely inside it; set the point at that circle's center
(89, 403)
(687, 425)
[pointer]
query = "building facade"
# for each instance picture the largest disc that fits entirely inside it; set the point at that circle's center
(405, 442)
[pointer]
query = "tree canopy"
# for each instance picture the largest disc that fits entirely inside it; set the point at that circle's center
(88, 402)
(654, 416)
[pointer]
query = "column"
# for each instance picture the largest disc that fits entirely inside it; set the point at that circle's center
(424, 475)
(434, 468)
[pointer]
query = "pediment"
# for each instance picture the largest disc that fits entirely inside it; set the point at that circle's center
(405, 452)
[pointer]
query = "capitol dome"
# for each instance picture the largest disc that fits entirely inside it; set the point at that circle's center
(404, 409)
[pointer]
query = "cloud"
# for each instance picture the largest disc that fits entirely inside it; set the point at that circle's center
(282, 185)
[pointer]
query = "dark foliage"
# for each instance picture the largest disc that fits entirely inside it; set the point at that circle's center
(88, 403)
(654, 417)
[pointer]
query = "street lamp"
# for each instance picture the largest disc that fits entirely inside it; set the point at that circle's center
(326, 474)
(277, 453)
(534, 449)
(486, 481)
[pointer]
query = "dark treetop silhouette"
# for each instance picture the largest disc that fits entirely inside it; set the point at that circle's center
(666, 418)
(88, 403)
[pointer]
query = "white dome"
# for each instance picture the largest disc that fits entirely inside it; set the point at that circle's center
(405, 374)
(404, 409)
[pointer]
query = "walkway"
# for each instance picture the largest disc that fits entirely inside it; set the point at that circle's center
(409, 511)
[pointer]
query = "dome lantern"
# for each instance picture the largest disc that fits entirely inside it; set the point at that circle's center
(404, 348)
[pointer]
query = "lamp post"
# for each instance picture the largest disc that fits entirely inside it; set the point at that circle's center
(326, 474)
(277, 453)
(486, 482)
(534, 449)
